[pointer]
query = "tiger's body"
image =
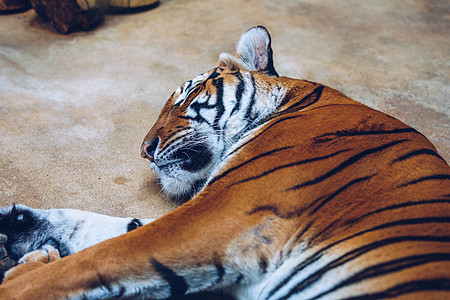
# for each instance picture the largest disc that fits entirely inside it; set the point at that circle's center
(298, 193)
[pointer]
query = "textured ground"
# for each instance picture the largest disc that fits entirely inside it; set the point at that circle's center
(75, 108)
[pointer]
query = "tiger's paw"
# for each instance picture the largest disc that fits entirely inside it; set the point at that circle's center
(46, 254)
(66, 230)
(6, 262)
(33, 260)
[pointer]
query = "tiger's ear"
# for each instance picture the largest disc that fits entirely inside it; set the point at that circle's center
(254, 51)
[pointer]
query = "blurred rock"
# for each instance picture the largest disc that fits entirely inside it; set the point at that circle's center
(10, 5)
(66, 15)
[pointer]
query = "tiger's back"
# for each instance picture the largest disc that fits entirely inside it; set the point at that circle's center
(360, 202)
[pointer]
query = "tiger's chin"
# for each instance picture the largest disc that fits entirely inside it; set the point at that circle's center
(186, 170)
(180, 184)
(181, 190)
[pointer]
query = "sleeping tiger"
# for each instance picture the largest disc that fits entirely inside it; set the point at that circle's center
(292, 191)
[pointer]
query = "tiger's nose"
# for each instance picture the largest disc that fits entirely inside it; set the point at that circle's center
(148, 150)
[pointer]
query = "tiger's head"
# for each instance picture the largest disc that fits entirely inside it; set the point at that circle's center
(210, 113)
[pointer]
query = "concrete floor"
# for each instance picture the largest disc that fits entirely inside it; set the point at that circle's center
(75, 108)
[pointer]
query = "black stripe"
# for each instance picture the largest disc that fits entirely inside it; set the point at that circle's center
(354, 132)
(213, 75)
(197, 118)
(228, 171)
(239, 278)
(427, 178)
(308, 100)
(190, 89)
(248, 113)
(121, 292)
(398, 206)
(74, 230)
(103, 282)
(220, 109)
(293, 92)
(238, 95)
(388, 267)
(347, 163)
(240, 89)
(263, 264)
(311, 241)
(220, 273)
(200, 87)
(351, 255)
(219, 267)
(174, 133)
(336, 104)
(190, 84)
(272, 209)
(196, 107)
(285, 118)
(260, 133)
(318, 254)
(297, 213)
(135, 223)
(178, 285)
(297, 163)
(403, 222)
(181, 146)
(440, 284)
(183, 139)
(417, 153)
(329, 198)
(304, 230)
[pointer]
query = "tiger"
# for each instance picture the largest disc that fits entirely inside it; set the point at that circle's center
(288, 188)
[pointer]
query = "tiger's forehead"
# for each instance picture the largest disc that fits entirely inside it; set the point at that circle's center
(184, 90)
(222, 75)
